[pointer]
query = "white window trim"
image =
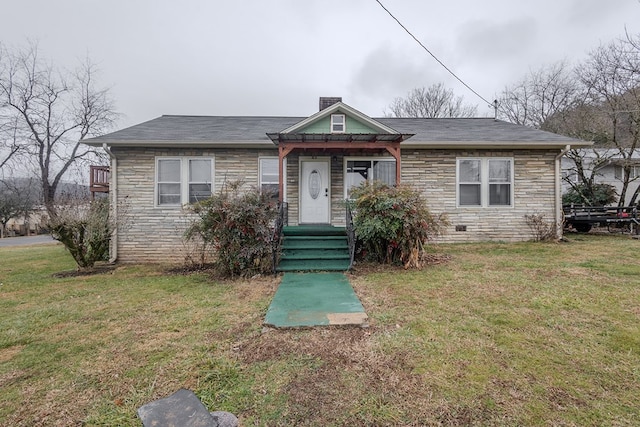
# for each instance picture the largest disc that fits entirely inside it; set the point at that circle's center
(184, 179)
(260, 159)
(618, 172)
(484, 183)
(344, 123)
(358, 159)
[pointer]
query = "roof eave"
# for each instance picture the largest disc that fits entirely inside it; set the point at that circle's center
(181, 144)
(519, 145)
(339, 137)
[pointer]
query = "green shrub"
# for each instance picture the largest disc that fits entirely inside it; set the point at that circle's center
(84, 229)
(590, 195)
(236, 228)
(393, 223)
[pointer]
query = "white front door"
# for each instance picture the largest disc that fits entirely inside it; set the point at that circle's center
(315, 191)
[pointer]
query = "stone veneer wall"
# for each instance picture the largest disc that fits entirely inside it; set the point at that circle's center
(434, 171)
(154, 234)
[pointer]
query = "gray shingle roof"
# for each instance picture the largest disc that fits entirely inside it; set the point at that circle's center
(471, 130)
(229, 130)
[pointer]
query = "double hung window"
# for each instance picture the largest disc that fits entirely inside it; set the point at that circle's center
(485, 182)
(269, 176)
(634, 172)
(338, 123)
(182, 180)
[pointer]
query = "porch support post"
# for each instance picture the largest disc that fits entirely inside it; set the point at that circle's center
(395, 152)
(283, 152)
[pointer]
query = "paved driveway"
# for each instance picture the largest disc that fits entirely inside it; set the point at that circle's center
(26, 240)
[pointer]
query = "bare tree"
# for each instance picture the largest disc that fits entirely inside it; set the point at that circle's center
(436, 101)
(542, 94)
(597, 101)
(611, 75)
(553, 99)
(9, 146)
(18, 198)
(50, 111)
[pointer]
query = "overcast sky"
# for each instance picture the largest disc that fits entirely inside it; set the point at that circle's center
(276, 57)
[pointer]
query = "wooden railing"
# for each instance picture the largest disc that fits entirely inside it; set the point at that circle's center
(99, 179)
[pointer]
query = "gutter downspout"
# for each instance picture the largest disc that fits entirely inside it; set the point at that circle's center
(559, 225)
(114, 202)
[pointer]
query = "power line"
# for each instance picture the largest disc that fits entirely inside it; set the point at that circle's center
(434, 57)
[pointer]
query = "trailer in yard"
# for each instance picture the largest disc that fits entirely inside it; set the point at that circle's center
(583, 218)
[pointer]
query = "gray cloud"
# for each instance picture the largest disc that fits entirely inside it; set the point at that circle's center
(388, 72)
(277, 57)
(486, 40)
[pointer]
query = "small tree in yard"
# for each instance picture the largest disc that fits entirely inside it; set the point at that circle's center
(84, 229)
(393, 223)
(236, 228)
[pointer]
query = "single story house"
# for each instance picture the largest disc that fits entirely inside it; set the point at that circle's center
(485, 174)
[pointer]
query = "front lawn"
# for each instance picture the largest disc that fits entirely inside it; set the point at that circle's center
(500, 334)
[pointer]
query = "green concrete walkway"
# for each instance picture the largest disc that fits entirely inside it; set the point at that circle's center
(315, 299)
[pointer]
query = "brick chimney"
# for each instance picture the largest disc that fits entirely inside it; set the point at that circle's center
(328, 101)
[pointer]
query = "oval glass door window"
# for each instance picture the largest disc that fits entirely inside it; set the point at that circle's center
(314, 184)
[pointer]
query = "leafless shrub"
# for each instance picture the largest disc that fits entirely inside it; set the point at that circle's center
(541, 229)
(85, 228)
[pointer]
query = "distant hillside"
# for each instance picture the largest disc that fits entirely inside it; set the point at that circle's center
(29, 187)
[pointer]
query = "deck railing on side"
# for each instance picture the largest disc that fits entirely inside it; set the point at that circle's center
(99, 179)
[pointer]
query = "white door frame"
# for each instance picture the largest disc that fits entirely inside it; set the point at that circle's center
(324, 159)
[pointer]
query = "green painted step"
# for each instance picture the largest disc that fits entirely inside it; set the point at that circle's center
(313, 230)
(313, 265)
(314, 248)
(314, 244)
(315, 237)
(315, 253)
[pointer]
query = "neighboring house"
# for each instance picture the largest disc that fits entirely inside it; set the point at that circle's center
(484, 174)
(608, 170)
(34, 223)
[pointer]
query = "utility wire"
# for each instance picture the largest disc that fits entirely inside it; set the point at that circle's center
(434, 57)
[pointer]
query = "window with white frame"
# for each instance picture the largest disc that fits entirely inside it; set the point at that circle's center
(269, 173)
(338, 123)
(182, 180)
(485, 181)
(168, 178)
(362, 170)
(634, 172)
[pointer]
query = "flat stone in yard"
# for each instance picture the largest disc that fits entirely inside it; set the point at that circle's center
(183, 409)
(225, 419)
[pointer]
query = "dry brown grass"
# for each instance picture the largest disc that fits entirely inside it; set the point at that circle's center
(489, 334)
